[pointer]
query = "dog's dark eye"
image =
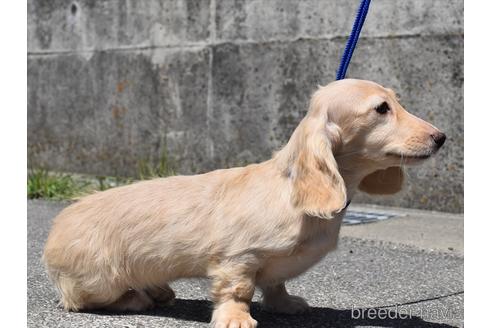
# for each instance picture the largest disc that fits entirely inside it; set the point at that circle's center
(383, 108)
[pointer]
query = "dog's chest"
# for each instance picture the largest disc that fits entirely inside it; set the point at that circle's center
(320, 237)
(316, 238)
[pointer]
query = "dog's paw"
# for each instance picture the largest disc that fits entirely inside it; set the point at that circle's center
(235, 319)
(289, 305)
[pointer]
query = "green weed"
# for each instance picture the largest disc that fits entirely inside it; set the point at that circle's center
(58, 186)
(43, 184)
(164, 168)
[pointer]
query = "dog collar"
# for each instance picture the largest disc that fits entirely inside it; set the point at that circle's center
(347, 204)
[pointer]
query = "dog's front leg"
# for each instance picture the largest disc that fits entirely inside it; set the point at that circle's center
(232, 291)
(276, 299)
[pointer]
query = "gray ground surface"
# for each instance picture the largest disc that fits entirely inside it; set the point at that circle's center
(423, 229)
(362, 274)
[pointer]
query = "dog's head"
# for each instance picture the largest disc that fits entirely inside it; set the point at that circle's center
(364, 127)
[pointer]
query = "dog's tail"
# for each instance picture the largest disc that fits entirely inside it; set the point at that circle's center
(71, 295)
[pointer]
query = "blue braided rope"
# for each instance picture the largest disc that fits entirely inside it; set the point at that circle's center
(352, 41)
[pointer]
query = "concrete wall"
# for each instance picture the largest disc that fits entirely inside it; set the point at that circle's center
(217, 83)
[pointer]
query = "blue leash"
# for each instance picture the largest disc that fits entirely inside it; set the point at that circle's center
(354, 36)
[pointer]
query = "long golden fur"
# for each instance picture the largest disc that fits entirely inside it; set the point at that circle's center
(258, 225)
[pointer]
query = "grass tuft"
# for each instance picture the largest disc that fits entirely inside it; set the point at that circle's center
(61, 186)
(57, 186)
(164, 168)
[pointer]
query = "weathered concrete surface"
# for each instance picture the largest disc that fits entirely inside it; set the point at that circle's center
(223, 83)
(68, 26)
(118, 107)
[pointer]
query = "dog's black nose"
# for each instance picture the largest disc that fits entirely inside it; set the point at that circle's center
(439, 138)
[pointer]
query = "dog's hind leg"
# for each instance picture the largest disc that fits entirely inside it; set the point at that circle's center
(162, 295)
(78, 295)
(131, 301)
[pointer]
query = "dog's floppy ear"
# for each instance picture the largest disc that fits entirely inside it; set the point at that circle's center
(383, 182)
(318, 187)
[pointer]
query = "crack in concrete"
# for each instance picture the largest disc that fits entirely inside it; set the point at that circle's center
(212, 42)
(210, 107)
(422, 300)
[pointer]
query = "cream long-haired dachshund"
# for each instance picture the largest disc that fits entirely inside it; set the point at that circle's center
(258, 225)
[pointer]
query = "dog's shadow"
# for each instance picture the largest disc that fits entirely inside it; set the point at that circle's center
(200, 311)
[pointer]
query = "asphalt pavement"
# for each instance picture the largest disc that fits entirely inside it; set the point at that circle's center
(405, 271)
